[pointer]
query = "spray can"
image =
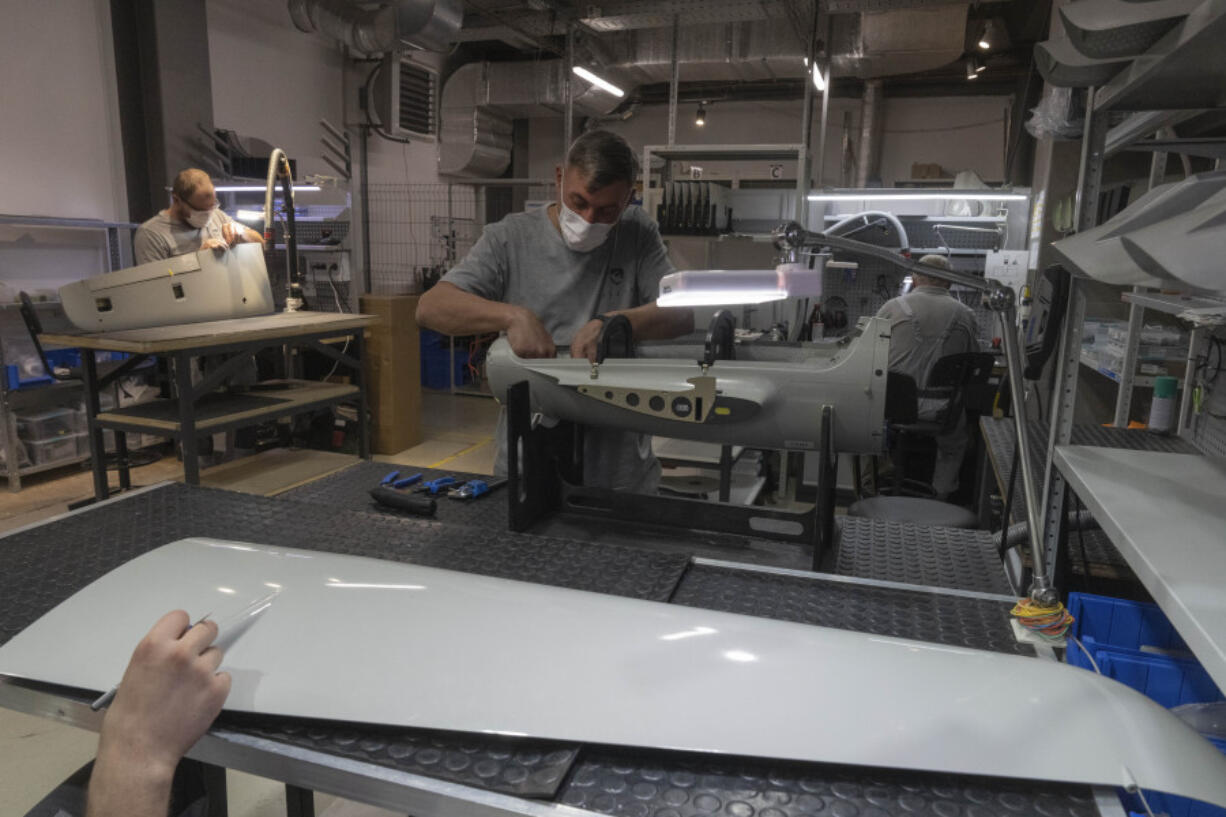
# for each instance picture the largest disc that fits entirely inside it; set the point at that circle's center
(1162, 409)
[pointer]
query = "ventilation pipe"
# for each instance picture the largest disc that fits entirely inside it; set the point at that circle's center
(480, 99)
(870, 133)
(373, 29)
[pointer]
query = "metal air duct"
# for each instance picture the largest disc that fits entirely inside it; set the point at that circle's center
(870, 133)
(481, 98)
(372, 29)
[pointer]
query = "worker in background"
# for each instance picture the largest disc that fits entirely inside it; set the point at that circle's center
(928, 323)
(552, 276)
(170, 694)
(192, 222)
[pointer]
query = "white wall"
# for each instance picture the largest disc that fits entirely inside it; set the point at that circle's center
(272, 81)
(60, 143)
(958, 133)
(915, 130)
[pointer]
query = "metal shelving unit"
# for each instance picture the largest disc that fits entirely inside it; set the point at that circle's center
(797, 153)
(11, 399)
(1183, 70)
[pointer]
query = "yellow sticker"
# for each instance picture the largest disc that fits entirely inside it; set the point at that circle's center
(723, 411)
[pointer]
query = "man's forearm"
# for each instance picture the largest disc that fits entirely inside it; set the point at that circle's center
(651, 322)
(124, 787)
(448, 309)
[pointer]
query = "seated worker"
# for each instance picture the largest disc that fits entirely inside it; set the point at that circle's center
(192, 222)
(170, 694)
(928, 324)
(549, 277)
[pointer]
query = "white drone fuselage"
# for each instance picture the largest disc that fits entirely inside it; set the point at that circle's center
(771, 396)
(208, 285)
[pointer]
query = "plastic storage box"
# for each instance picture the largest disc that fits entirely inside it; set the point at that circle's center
(1135, 644)
(48, 424)
(54, 449)
(436, 360)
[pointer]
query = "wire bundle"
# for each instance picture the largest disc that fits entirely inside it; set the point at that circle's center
(1047, 622)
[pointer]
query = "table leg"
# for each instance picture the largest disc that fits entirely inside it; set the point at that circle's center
(93, 407)
(121, 455)
(986, 479)
(299, 802)
(187, 418)
(725, 473)
(363, 425)
(215, 787)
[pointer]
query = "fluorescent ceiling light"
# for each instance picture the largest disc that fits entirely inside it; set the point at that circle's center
(602, 84)
(728, 287)
(927, 195)
(249, 215)
(819, 79)
(259, 188)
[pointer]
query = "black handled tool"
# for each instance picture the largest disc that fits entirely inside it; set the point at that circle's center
(410, 503)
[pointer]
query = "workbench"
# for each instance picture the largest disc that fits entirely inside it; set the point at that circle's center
(430, 774)
(198, 408)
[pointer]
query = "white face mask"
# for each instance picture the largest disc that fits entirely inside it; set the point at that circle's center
(198, 218)
(578, 233)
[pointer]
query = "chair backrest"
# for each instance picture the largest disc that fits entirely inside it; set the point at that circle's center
(34, 326)
(949, 379)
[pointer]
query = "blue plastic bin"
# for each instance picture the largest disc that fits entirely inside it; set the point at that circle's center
(56, 357)
(1114, 631)
(434, 363)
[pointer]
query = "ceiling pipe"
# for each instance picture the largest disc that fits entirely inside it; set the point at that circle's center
(425, 24)
(871, 111)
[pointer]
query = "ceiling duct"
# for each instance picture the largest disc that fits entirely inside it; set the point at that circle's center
(375, 28)
(864, 46)
(481, 98)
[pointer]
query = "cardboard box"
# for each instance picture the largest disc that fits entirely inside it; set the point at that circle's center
(392, 371)
(930, 170)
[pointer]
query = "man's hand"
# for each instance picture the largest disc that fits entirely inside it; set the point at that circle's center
(232, 233)
(169, 695)
(586, 341)
(528, 337)
(213, 244)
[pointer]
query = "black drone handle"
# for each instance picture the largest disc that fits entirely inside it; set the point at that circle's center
(616, 339)
(721, 338)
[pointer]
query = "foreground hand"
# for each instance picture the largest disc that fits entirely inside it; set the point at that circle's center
(169, 695)
(587, 341)
(528, 337)
(213, 244)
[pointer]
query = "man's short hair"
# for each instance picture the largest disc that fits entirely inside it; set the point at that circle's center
(603, 158)
(938, 262)
(187, 182)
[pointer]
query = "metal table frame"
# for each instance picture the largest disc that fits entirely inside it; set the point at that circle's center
(239, 352)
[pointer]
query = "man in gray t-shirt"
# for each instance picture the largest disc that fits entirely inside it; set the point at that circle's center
(546, 278)
(192, 222)
(928, 324)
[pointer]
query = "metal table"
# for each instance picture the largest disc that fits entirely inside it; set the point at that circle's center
(199, 409)
(1166, 513)
(432, 774)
